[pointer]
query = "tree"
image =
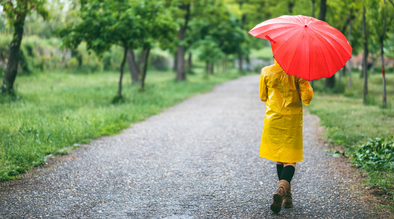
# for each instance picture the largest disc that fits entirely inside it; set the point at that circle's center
(323, 10)
(16, 12)
(365, 53)
(349, 62)
(290, 5)
(329, 82)
(247, 18)
(35, 25)
(383, 15)
(219, 39)
(340, 15)
(209, 53)
(122, 22)
(313, 7)
(183, 13)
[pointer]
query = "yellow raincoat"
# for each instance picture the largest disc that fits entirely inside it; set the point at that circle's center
(282, 132)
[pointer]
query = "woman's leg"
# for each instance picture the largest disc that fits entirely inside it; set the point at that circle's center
(283, 194)
(287, 172)
(279, 168)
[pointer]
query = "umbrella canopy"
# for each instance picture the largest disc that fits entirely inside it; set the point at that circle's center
(304, 46)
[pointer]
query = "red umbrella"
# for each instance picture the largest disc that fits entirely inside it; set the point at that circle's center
(304, 46)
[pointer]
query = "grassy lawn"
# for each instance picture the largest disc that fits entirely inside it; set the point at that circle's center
(350, 122)
(59, 110)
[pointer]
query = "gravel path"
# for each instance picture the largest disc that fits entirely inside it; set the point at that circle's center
(198, 159)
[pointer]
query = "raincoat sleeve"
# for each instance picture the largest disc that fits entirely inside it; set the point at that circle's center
(306, 91)
(263, 87)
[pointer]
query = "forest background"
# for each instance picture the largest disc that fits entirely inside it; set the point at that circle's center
(81, 68)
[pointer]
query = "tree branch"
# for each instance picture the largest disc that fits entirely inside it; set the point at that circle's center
(391, 1)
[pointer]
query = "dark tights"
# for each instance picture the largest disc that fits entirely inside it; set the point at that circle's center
(286, 172)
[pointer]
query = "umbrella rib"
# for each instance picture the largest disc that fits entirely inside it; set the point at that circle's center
(271, 29)
(336, 51)
(285, 41)
(325, 58)
(325, 38)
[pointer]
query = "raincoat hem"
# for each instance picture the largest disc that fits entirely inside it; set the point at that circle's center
(273, 159)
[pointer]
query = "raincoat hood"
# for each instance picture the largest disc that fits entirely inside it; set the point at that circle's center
(276, 67)
(276, 63)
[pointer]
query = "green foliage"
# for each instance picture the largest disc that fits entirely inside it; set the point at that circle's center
(209, 50)
(126, 23)
(383, 14)
(16, 9)
(38, 55)
(377, 157)
(60, 15)
(377, 154)
(214, 43)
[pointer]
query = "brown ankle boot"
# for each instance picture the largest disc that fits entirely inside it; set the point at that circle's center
(287, 199)
(278, 196)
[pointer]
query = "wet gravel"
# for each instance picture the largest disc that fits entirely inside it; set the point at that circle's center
(198, 159)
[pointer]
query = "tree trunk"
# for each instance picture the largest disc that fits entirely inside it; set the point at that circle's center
(329, 82)
(180, 55)
(189, 61)
(340, 77)
(313, 8)
(323, 9)
(349, 64)
(383, 74)
(382, 57)
(121, 71)
(248, 62)
(207, 67)
(175, 62)
(141, 61)
(13, 56)
(134, 70)
(290, 6)
(211, 70)
(145, 69)
(240, 55)
(240, 62)
(225, 62)
(180, 68)
(365, 56)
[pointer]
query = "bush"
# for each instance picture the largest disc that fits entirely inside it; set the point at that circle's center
(159, 62)
(46, 54)
(377, 154)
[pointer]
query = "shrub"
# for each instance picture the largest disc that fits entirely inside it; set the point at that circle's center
(377, 154)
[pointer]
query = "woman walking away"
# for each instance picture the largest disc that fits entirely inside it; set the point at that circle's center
(282, 132)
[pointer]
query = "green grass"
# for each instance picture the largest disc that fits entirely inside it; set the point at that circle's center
(350, 121)
(56, 110)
